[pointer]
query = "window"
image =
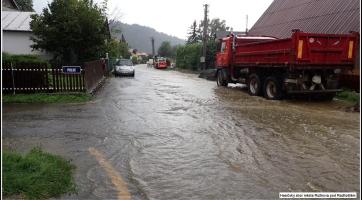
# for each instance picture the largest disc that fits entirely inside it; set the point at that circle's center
(223, 46)
(124, 62)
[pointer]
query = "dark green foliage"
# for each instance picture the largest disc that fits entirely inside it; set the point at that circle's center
(117, 49)
(165, 49)
(74, 31)
(211, 51)
(25, 5)
(194, 34)
(216, 25)
(188, 56)
(348, 95)
(134, 60)
(195, 37)
(21, 60)
(124, 53)
(37, 175)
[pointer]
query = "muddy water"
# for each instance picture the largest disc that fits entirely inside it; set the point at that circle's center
(175, 136)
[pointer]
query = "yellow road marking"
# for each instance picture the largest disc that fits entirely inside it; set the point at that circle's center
(116, 178)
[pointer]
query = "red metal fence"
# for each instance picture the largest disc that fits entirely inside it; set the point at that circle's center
(31, 79)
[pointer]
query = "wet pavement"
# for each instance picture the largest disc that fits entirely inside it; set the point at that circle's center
(171, 135)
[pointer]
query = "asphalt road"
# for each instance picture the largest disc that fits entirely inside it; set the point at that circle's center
(169, 135)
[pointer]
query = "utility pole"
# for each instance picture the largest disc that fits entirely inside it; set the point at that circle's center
(204, 38)
(153, 46)
(246, 25)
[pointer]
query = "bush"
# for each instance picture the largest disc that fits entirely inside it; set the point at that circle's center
(134, 60)
(117, 49)
(188, 56)
(23, 60)
(348, 95)
(211, 53)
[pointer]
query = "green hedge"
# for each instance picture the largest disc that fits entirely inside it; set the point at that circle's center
(23, 60)
(188, 56)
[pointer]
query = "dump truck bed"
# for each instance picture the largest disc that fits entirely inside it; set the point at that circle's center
(302, 50)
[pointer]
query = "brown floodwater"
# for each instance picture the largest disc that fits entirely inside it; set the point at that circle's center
(175, 136)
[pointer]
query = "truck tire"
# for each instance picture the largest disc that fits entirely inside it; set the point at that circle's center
(272, 88)
(254, 85)
(221, 79)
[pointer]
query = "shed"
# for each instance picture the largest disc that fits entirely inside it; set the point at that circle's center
(17, 33)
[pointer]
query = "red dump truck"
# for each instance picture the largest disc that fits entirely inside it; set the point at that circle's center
(305, 63)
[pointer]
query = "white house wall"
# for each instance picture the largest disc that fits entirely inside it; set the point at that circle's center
(19, 42)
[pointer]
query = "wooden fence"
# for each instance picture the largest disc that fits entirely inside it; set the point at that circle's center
(32, 79)
(94, 72)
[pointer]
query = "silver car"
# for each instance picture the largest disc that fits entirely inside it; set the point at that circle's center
(124, 67)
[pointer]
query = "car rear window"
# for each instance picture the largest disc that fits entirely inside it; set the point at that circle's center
(124, 62)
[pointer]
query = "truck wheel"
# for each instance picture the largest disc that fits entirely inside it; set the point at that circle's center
(221, 79)
(272, 88)
(254, 85)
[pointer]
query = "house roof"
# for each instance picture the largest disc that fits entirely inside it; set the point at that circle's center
(16, 21)
(317, 16)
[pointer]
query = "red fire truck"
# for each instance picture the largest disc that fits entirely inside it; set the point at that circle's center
(160, 63)
(305, 63)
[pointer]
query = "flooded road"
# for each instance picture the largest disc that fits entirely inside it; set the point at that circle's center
(171, 135)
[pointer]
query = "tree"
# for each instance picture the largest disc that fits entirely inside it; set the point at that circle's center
(134, 60)
(174, 51)
(72, 30)
(25, 5)
(117, 49)
(214, 26)
(188, 56)
(193, 34)
(124, 53)
(211, 51)
(165, 50)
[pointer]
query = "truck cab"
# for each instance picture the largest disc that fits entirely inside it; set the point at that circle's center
(224, 52)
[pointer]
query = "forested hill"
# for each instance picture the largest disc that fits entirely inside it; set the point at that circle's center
(139, 37)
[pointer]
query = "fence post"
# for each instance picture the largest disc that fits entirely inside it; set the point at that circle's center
(47, 79)
(12, 76)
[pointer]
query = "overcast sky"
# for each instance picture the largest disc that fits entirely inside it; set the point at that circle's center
(175, 16)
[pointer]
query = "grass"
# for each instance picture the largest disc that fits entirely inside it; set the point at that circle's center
(36, 175)
(46, 98)
(347, 95)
